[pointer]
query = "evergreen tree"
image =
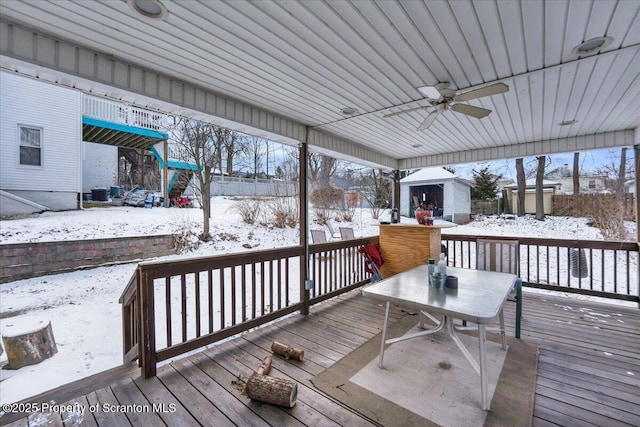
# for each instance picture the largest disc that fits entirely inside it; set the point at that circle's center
(485, 184)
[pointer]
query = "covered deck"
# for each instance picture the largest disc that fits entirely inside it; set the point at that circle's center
(589, 364)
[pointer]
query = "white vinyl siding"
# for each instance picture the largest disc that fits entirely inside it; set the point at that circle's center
(56, 112)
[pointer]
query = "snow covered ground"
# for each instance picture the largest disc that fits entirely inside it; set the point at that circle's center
(83, 305)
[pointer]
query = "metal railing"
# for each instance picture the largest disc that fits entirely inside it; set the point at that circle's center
(589, 267)
(170, 308)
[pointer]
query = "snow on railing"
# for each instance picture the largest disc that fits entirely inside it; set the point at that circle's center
(117, 112)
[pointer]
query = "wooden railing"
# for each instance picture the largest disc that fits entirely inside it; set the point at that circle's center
(172, 307)
(608, 269)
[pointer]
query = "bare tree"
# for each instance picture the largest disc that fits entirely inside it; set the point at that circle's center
(622, 171)
(256, 149)
(522, 185)
(540, 188)
(321, 168)
(233, 145)
(199, 143)
(290, 164)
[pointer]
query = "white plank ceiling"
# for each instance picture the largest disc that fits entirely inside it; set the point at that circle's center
(305, 61)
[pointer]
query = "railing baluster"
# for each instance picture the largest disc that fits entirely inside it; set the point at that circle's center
(590, 268)
(279, 284)
(197, 302)
(183, 290)
(286, 282)
(167, 307)
(615, 271)
(253, 291)
(271, 297)
(210, 289)
(244, 293)
(233, 295)
(222, 299)
(262, 288)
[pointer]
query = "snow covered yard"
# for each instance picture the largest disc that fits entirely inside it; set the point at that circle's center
(83, 305)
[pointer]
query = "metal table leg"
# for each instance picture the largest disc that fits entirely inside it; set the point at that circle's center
(384, 334)
(482, 338)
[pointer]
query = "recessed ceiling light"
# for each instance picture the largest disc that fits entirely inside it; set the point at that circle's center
(567, 122)
(349, 111)
(149, 8)
(591, 46)
(416, 146)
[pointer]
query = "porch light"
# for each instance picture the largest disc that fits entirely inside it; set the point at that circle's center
(591, 46)
(149, 8)
(567, 122)
(349, 111)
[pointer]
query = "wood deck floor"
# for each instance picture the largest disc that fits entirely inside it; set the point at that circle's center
(589, 371)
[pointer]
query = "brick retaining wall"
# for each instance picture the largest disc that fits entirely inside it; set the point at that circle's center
(24, 260)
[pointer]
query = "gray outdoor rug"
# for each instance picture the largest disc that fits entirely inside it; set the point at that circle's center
(427, 381)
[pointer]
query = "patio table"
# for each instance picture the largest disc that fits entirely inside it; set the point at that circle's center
(479, 299)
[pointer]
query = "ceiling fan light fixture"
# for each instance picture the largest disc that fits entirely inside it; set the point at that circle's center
(149, 8)
(349, 111)
(430, 92)
(591, 46)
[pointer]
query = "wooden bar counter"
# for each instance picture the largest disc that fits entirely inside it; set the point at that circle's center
(404, 246)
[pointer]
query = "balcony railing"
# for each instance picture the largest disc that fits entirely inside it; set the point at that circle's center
(117, 112)
(588, 267)
(170, 308)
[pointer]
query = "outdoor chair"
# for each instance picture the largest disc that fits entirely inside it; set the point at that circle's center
(346, 233)
(502, 256)
(318, 236)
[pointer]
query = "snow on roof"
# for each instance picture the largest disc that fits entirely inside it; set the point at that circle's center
(532, 183)
(429, 174)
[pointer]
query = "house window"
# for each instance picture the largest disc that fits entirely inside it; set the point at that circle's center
(30, 145)
(592, 184)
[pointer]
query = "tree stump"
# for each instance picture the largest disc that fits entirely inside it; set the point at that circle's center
(29, 348)
(287, 351)
(277, 391)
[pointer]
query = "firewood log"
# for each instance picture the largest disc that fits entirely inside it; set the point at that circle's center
(265, 366)
(276, 391)
(287, 351)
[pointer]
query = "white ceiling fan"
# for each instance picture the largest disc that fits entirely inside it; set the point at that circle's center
(442, 98)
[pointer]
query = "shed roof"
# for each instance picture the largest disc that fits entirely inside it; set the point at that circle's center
(429, 174)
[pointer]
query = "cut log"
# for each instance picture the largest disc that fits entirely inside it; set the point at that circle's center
(287, 351)
(265, 366)
(276, 391)
(29, 348)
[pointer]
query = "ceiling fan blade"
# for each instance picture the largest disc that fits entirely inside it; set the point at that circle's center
(402, 112)
(470, 110)
(483, 91)
(430, 118)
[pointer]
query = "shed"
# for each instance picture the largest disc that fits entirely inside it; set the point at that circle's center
(449, 195)
(549, 189)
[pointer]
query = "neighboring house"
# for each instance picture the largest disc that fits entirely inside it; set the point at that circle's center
(57, 144)
(630, 186)
(590, 183)
(549, 189)
(40, 147)
(440, 188)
